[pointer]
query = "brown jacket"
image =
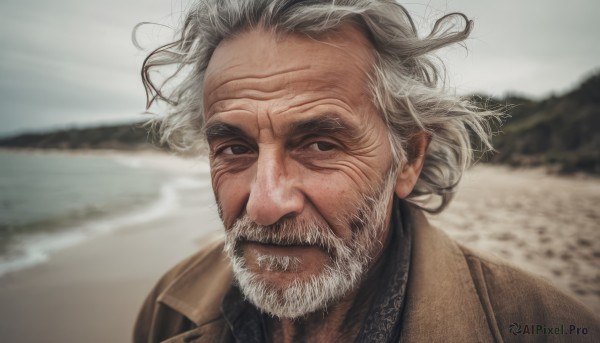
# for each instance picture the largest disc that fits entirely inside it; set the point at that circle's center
(453, 295)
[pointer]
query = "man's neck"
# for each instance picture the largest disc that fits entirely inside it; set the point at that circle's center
(321, 326)
(341, 322)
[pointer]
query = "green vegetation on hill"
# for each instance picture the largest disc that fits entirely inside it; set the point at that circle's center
(561, 131)
(116, 137)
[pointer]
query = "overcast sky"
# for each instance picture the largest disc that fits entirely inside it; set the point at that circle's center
(66, 63)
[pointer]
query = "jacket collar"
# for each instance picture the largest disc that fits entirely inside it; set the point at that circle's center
(195, 295)
(442, 303)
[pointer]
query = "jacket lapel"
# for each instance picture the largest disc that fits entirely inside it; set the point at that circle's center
(442, 302)
(212, 332)
(197, 294)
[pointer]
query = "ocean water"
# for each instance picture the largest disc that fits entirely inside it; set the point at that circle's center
(52, 201)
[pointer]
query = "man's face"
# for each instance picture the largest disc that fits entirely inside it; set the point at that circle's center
(301, 163)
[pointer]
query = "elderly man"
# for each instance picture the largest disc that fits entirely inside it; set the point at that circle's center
(326, 127)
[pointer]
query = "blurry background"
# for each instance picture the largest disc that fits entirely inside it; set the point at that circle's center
(71, 63)
(91, 214)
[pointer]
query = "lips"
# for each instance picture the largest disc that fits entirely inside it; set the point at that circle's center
(307, 258)
(276, 247)
(269, 244)
(276, 244)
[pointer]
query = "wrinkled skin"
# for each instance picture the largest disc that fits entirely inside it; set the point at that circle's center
(293, 133)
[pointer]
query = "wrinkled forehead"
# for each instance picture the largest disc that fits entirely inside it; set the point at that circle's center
(261, 58)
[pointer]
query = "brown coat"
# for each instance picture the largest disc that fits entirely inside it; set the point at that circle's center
(453, 295)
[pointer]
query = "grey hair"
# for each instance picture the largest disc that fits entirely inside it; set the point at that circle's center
(407, 86)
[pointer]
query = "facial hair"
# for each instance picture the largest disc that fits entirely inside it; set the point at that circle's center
(349, 260)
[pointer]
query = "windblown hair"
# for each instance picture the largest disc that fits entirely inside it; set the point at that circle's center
(407, 86)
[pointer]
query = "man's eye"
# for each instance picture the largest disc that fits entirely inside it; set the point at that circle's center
(236, 150)
(321, 146)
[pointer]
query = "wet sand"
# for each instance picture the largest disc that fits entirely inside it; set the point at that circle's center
(92, 292)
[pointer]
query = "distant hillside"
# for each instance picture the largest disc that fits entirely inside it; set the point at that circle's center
(116, 137)
(563, 131)
(560, 131)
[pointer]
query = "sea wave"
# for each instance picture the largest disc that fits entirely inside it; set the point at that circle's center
(31, 250)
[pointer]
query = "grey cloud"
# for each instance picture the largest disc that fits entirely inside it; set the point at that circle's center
(72, 61)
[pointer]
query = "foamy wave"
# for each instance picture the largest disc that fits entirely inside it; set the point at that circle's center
(37, 249)
(168, 163)
(131, 162)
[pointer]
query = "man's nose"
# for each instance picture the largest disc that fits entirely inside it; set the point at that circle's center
(273, 194)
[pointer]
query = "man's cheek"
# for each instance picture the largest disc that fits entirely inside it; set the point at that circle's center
(339, 187)
(231, 194)
(356, 174)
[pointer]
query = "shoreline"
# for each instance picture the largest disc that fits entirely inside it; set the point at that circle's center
(151, 152)
(87, 151)
(91, 292)
(25, 249)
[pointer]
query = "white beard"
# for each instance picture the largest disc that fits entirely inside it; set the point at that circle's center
(349, 260)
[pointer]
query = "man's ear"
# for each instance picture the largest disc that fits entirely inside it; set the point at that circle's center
(409, 173)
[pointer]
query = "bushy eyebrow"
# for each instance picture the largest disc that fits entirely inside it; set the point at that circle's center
(324, 125)
(221, 130)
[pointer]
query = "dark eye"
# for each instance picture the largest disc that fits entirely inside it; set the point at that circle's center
(321, 146)
(236, 150)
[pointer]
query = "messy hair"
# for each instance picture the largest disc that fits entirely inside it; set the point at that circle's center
(407, 82)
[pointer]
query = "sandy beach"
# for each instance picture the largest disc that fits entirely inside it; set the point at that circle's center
(545, 224)
(91, 292)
